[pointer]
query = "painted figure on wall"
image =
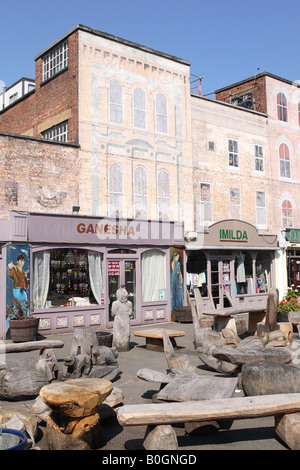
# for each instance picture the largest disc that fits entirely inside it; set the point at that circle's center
(17, 274)
(177, 285)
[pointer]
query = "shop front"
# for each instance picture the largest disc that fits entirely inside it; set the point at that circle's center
(74, 265)
(231, 263)
(292, 247)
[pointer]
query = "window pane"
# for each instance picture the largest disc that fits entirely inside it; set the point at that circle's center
(153, 275)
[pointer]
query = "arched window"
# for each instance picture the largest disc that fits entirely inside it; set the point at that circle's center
(163, 195)
(140, 193)
(287, 214)
(115, 190)
(139, 108)
(284, 161)
(115, 102)
(161, 113)
(281, 107)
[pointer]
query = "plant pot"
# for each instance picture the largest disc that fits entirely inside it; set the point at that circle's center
(24, 330)
(11, 439)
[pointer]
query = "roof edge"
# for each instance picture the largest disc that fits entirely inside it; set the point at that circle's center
(113, 38)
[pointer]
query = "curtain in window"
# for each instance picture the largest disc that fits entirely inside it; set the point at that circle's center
(153, 275)
(96, 274)
(41, 277)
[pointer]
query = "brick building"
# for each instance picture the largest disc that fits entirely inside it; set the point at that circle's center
(279, 99)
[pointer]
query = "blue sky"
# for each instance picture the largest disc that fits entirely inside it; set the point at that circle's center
(225, 40)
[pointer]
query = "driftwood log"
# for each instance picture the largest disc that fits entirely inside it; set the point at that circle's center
(30, 346)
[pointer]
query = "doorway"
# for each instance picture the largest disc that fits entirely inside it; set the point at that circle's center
(221, 281)
(122, 272)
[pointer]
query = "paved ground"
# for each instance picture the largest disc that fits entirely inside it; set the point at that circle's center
(245, 434)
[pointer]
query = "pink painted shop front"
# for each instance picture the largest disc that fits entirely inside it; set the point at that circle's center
(75, 265)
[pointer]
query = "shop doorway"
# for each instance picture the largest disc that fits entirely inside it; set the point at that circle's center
(122, 272)
(221, 282)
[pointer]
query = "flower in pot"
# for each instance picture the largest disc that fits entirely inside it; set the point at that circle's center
(23, 326)
(288, 305)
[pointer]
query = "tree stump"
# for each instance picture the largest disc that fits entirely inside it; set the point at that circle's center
(74, 423)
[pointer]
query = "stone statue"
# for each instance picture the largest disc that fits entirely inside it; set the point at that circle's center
(121, 311)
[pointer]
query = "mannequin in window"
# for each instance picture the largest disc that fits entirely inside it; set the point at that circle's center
(240, 272)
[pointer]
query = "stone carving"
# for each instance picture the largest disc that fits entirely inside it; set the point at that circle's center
(121, 311)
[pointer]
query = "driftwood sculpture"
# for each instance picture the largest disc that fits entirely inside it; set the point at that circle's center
(88, 359)
(226, 352)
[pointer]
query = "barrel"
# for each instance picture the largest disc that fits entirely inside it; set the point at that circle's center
(105, 338)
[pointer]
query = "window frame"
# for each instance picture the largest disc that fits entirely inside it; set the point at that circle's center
(56, 60)
(206, 206)
(115, 105)
(56, 133)
(141, 111)
(284, 161)
(261, 209)
(233, 154)
(259, 164)
(161, 116)
(282, 109)
(284, 211)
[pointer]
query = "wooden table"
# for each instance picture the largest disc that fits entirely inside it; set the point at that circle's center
(223, 317)
(154, 338)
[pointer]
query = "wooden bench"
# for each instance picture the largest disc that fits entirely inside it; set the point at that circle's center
(156, 414)
(154, 338)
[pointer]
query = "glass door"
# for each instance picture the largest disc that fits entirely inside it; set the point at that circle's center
(122, 273)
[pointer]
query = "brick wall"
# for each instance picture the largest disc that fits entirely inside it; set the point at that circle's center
(53, 101)
(37, 176)
(256, 86)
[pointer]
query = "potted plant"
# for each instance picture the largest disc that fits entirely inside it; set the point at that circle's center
(23, 326)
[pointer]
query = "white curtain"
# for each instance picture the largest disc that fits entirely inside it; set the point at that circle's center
(96, 274)
(41, 277)
(153, 274)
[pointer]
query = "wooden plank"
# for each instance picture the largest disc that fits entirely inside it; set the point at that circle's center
(207, 410)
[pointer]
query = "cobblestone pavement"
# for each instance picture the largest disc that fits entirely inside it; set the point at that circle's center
(244, 434)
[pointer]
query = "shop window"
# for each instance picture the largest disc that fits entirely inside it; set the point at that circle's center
(284, 160)
(67, 277)
(244, 273)
(281, 107)
(263, 272)
(287, 214)
(153, 276)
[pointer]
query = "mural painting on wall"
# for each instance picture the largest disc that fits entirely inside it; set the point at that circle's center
(17, 280)
(176, 278)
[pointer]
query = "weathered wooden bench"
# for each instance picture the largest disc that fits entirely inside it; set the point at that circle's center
(154, 338)
(156, 414)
